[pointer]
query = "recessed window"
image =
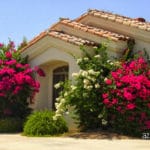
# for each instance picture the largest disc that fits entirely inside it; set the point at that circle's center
(59, 74)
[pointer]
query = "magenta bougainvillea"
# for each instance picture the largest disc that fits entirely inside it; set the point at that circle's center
(17, 82)
(127, 95)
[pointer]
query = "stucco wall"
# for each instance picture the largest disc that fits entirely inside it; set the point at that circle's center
(49, 60)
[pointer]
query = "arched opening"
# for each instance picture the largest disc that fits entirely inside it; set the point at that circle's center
(59, 74)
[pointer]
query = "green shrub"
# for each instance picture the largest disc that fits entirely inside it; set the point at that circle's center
(85, 93)
(41, 123)
(10, 125)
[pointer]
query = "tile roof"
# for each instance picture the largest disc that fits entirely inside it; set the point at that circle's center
(97, 31)
(71, 38)
(76, 24)
(139, 23)
(34, 40)
(62, 36)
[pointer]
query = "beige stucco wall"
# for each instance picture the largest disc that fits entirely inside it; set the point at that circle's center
(49, 60)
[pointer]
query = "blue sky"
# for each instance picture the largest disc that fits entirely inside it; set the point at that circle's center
(27, 18)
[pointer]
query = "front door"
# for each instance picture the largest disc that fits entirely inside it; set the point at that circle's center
(59, 74)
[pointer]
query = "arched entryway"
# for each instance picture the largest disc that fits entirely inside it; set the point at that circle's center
(59, 74)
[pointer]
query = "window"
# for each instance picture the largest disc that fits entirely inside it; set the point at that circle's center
(59, 74)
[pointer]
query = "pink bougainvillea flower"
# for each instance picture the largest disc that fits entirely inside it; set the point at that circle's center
(37, 85)
(19, 78)
(130, 106)
(18, 65)
(8, 54)
(141, 60)
(144, 94)
(7, 71)
(108, 81)
(27, 65)
(17, 89)
(39, 71)
(129, 94)
(28, 79)
(114, 101)
(119, 84)
(11, 62)
(105, 95)
(106, 101)
(115, 75)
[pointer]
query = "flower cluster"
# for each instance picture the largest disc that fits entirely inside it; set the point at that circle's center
(88, 81)
(82, 93)
(17, 80)
(128, 92)
(89, 78)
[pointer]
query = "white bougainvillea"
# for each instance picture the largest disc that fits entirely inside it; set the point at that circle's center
(84, 93)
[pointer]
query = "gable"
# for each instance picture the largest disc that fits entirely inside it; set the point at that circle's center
(96, 27)
(135, 28)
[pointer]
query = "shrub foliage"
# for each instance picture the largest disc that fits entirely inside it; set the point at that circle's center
(109, 93)
(10, 125)
(85, 95)
(17, 82)
(41, 123)
(127, 97)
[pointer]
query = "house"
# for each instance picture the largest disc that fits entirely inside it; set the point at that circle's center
(52, 49)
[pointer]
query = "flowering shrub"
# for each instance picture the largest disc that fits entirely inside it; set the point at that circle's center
(17, 82)
(85, 93)
(114, 94)
(127, 97)
(41, 123)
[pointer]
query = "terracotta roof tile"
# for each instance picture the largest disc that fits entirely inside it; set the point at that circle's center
(93, 30)
(70, 38)
(34, 40)
(137, 22)
(63, 36)
(97, 31)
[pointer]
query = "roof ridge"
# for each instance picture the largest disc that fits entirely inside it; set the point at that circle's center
(63, 36)
(140, 23)
(94, 30)
(107, 12)
(71, 38)
(111, 13)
